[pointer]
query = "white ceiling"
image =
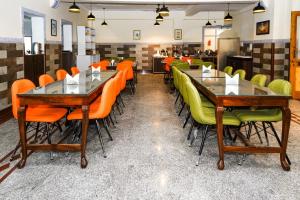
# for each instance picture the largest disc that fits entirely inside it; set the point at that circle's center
(191, 7)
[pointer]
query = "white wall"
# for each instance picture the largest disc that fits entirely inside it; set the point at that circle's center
(122, 23)
(279, 14)
(12, 24)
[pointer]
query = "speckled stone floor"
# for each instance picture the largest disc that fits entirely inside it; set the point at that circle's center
(151, 159)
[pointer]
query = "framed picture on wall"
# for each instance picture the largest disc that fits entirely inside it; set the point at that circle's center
(178, 34)
(263, 28)
(53, 27)
(136, 34)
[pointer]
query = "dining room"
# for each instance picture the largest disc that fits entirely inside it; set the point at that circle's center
(143, 99)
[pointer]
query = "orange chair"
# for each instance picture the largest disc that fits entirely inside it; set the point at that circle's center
(128, 65)
(99, 109)
(185, 58)
(75, 70)
(103, 64)
(168, 61)
(118, 85)
(45, 79)
(61, 74)
(35, 114)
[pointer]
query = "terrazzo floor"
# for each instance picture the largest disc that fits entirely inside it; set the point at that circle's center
(150, 158)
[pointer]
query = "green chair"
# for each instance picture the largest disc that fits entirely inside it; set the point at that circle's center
(205, 116)
(259, 80)
(228, 70)
(183, 66)
(241, 72)
(266, 116)
(175, 62)
(176, 77)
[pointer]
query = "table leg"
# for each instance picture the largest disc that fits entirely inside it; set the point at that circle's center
(85, 125)
(22, 133)
(286, 120)
(219, 121)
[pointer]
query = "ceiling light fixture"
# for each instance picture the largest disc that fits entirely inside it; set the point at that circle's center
(228, 17)
(74, 8)
(156, 23)
(259, 8)
(91, 16)
(164, 10)
(208, 22)
(104, 22)
(158, 8)
(159, 18)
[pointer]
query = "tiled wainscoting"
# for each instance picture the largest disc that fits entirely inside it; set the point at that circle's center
(271, 58)
(53, 57)
(142, 52)
(11, 69)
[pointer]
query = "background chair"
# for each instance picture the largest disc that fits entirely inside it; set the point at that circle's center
(228, 70)
(61, 74)
(259, 80)
(241, 72)
(74, 70)
(128, 65)
(45, 79)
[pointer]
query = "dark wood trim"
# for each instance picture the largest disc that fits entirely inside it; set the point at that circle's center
(272, 61)
(5, 114)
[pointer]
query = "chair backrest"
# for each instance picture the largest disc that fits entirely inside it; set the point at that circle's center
(184, 80)
(281, 86)
(74, 70)
(168, 61)
(119, 78)
(259, 80)
(107, 99)
(19, 86)
(126, 65)
(61, 74)
(195, 103)
(175, 76)
(181, 66)
(241, 72)
(123, 82)
(45, 79)
(104, 64)
(228, 70)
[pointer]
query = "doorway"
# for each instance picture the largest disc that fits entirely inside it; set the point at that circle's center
(67, 45)
(295, 54)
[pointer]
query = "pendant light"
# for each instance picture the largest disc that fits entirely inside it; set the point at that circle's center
(158, 8)
(91, 16)
(228, 17)
(104, 22)
(164, 10)
(74, 8)
(159, 18)
(208, 22)
(259, 8)
(156, 23)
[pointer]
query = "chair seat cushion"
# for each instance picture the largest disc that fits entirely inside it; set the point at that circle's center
(45, 114)
(77, 113)
(228, 118)
(248, 115)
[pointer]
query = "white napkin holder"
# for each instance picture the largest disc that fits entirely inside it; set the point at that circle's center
(69, 80)
(232, 84)
(96, 76)
(72, 89)
(189, 61)
(206, 69)
(96, 70)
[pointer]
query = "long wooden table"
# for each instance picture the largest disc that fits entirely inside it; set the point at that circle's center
(244, 94)
(61, 94)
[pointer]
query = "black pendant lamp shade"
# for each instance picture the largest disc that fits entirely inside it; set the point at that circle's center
(74, 8)
(104, 22)
(208, 23)
(228, 17)
(164, 10)
(91, 16)
(156, 23)
(259, 8)
(159, 18)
